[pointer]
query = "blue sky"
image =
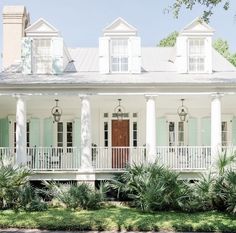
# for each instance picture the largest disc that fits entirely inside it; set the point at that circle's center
(81, 21)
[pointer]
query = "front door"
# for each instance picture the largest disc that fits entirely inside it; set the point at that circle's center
(120, 143)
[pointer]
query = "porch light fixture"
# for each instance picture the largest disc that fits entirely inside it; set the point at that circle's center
(56, 112)
(119, 111)
(182, 111)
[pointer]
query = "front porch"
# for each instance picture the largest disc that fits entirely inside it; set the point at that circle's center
(90, 140)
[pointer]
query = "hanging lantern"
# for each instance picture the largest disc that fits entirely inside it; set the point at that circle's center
(182, 111)
(119, 111)
(56, 112)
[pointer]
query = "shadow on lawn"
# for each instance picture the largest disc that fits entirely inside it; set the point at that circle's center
(119, 219)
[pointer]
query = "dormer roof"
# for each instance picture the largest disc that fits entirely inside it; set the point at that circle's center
(120, 27)
(197, 26)
(41, 28)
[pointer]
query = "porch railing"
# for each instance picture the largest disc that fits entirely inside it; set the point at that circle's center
(53, 158)
(117, 158)
(185, 157)
(114, 158)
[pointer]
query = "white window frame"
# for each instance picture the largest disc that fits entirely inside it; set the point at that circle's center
(197, 55)
(48, 57)
(119, 56)
(64, 134)
(176, 121)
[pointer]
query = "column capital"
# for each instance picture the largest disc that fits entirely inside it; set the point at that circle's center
(150, 96)
(20, 96)
(217, 95)
(84, 96)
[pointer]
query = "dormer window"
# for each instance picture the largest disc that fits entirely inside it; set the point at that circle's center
(196, 58)
(120, 49)
(119, 55)
(42, 56)
(43, 50)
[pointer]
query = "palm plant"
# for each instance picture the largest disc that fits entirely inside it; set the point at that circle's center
(150, 187)
(12, 179)
(81, 196)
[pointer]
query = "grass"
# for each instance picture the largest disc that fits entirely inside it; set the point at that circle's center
(118, 218)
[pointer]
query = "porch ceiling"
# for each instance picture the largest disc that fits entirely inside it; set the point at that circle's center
(69, 104)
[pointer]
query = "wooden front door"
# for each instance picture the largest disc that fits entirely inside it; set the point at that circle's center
(120, 142)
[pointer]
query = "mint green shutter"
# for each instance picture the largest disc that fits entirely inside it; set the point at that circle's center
(48, 132)
(206, 131)
(234, 131)
(34, 132)
(4, 132)
(26, 55)
(76, 131)
(192, 131)
(162, 134)
(57, 55)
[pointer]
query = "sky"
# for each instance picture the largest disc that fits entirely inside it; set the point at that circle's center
(81, 21)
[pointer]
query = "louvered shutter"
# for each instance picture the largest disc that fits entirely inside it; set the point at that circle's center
(57, 55)
(192, 131)
(26, 55)
(135, 55)
(104, 55)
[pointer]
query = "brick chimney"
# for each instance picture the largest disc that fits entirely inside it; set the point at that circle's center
(15, 20)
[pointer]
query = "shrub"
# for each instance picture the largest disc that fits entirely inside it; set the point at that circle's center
(81, 196)
(15, 191)
(151, 187)
(12, 179)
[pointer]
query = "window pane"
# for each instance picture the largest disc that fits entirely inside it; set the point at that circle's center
(196, 55)
(119, 55)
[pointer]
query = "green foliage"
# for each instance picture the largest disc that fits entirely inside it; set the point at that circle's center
(151, 187)
(222, 47)
(169, 41)
(15, 191)
(209, 6)
(81, 196)
(119, 219)
(29, 199)
(12, 179)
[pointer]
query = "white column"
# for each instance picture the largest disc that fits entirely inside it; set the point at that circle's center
(215, 126)
(151, 128)
(86, 150)
(21, 123)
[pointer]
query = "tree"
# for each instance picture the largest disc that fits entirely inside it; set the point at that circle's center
(169, 41)
(209, 6)
(222, 47)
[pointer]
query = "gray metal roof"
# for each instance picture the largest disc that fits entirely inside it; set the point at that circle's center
(153, 59)
(158, 69)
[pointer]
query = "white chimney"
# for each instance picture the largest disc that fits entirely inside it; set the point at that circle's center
(15, 20)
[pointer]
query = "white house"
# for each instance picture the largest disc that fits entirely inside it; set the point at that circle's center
(121, 103)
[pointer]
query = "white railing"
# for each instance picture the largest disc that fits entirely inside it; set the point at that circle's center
(185, 157)
(179, 158)
(117, 158)
(7, 155)
(53, 158)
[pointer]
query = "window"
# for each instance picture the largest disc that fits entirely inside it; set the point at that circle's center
(42, 58)
(27, 134)
(176, 133)
(224, 132)
(65, 134)
(106, 134)
(135, 134)
(60, 134)
(69, 133)
(119, 55)
(196, 60)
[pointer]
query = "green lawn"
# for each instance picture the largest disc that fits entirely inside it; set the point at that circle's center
(118, 218)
